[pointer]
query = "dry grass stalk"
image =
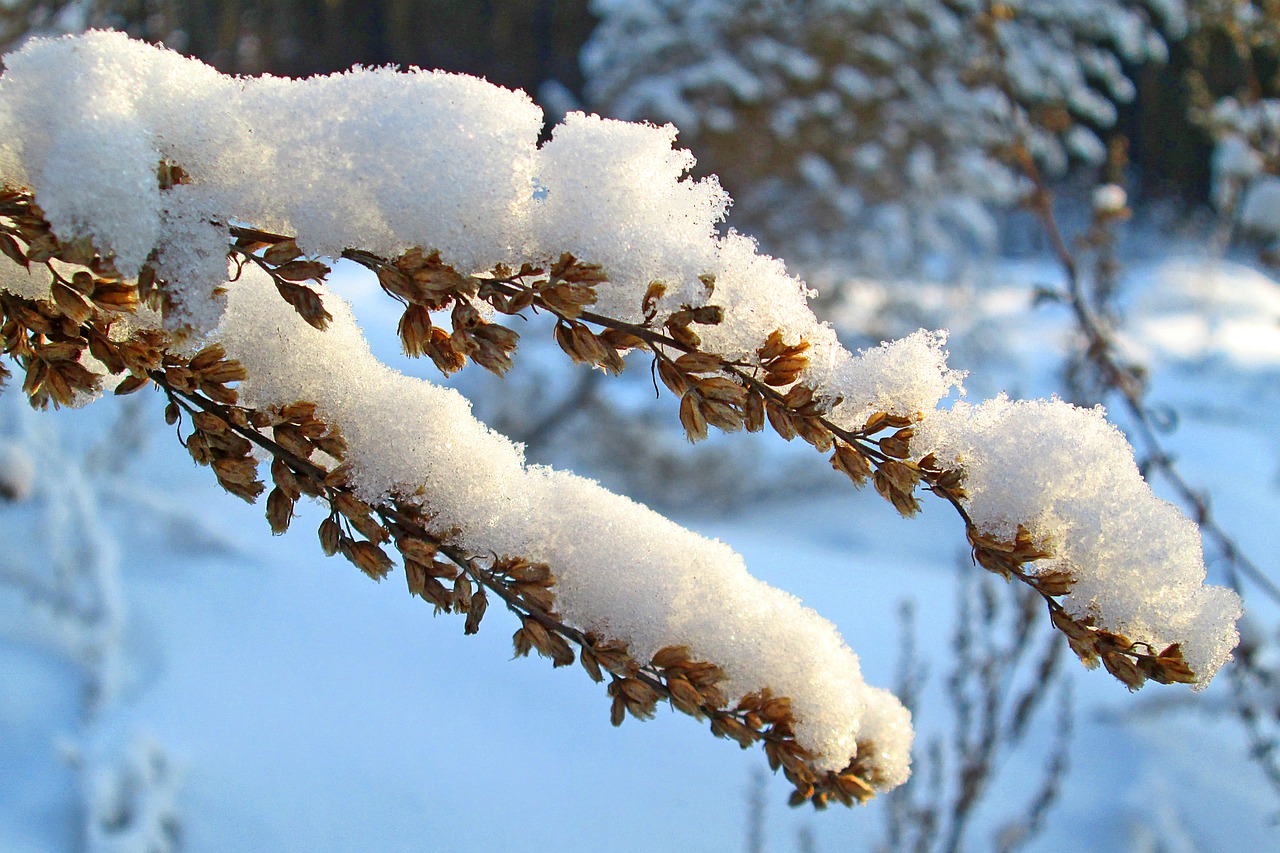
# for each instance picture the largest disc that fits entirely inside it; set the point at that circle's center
(998, 685)
(48, 339)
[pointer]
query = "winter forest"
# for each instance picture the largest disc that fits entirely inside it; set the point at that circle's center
(634, 425)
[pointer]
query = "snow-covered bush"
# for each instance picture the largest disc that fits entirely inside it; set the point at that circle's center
(1234, 101)
(873, 129)
(166, 226)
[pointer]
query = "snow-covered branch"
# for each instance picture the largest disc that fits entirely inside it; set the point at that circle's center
(134, 173)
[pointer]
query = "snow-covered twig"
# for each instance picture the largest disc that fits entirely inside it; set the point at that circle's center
(447, 198)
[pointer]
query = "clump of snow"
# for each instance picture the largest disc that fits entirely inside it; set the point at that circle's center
(621, 568)
(903, 377)
(660, 225)
(1068, 476)
(374, 158)
(907, 377)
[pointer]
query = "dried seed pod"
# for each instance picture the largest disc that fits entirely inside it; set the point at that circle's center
(130, 384)
(12, 251)
(537, 634)
(685, 697)
(330, 537)
(753, 417)
(415, 575)
(813, 431)
(462, 592)
(670, 656)
(370, 559)
(1052, 583)
(704, 674)
(698, 362)
(559, 651)
(1168, 667)
(775, 710)
(209, 422)
(41, 248)
(904, 476)
(722, 388)
(649, 304)
(238, 471)
(876, 422)
(798, 397)
(465, 315)
(521, 643)
(225, 371)
(692, 418)
(781, 421)
(350, 505)
(304, 300)
(421, 550)
(672, 377)
(707, 315)
(72, 304)
(580, 272)
(302, 271)
(1124, 669)
(279, 511)
(441, 569)
(475, 612)
(282, 252)
(284, 478)
(852, 462)
(536, 596)
(121, 298)
(207, 357)
(898, 445)
(588, 347)
(370, 529)
(722, 415)
(619, 339)
(683, 335)
(590, 664)
(539, 573)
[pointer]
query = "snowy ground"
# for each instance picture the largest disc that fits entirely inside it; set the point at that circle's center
(299, 706)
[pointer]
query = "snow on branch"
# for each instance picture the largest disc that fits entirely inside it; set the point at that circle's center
(135, 174)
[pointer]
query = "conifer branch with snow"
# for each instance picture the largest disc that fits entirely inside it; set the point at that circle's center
(134, 175)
